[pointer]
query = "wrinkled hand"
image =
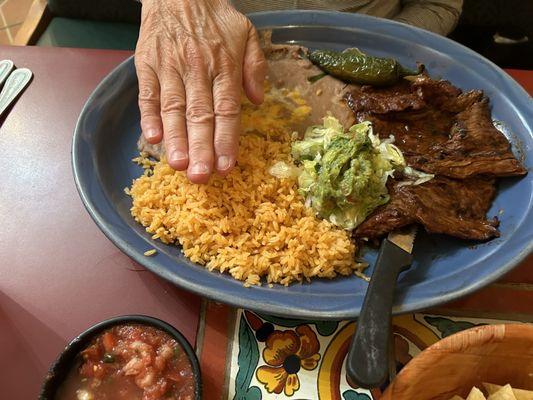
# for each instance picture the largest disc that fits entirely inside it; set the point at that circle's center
(193, 58)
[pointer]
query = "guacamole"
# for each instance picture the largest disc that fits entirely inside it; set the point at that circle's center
(343, 175)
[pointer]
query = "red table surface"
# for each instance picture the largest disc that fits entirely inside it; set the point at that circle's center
(58, 273)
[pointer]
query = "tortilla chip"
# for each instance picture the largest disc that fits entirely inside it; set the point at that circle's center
(491, 388)
(520, 394)
(457, 398)
(476, 394)
(505, 393)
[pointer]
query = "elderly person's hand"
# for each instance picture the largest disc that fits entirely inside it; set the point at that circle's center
(193, 58)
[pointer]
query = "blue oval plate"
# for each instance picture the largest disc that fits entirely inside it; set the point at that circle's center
(444, 268)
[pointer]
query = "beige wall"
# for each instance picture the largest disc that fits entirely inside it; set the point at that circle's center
(12, 14)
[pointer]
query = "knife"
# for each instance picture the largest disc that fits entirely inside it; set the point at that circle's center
(370, 354)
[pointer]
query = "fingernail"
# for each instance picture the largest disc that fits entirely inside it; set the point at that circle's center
(177, 156)
(150, 133)
(223, 163)
(259, 91)
(199, 168)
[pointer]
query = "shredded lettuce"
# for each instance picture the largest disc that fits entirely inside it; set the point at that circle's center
(309, 175)
(316, 139)
(343, 174)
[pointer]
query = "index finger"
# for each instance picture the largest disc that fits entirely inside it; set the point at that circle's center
(149, 106)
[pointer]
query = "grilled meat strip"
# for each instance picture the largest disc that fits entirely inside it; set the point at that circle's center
(439, 129)
(442, 205)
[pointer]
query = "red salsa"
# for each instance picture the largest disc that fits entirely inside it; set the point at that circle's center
(133, 362)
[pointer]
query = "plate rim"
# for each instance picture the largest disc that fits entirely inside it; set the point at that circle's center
(257, 305)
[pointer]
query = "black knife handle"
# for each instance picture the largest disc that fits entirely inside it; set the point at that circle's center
(367, 363)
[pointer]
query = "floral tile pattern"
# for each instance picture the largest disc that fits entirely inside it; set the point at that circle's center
(278, 358)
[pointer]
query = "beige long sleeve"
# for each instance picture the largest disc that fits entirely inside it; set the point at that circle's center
(440, 16)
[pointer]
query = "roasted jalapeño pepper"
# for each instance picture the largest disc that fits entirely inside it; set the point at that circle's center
(353, 66)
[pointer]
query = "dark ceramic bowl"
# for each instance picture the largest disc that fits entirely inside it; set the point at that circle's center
(69, 356)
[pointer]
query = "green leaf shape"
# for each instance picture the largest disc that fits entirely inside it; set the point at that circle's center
(343, 174)
(447, 326)
(324, 328)
(353, 395)
(247, 361)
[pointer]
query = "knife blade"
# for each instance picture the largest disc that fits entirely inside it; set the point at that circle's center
(404, 238)
(369, 360)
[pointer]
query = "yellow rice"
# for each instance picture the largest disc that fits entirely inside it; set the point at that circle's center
(248, 224)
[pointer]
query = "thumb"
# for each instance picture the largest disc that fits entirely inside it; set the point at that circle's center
(254, 68)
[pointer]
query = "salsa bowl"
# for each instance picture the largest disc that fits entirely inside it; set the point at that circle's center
(70, 357)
